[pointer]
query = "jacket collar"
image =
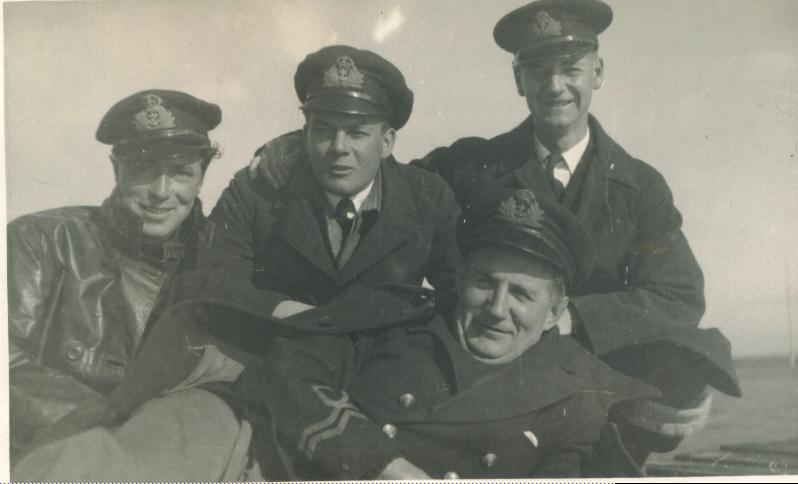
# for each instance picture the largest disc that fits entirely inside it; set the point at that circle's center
(520, 148)
(299, 221)
(551, 371)
(124, 228)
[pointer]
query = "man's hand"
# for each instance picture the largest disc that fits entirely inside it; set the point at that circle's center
(288, 308)
(666, 420)
(275, 160)
(401, 469)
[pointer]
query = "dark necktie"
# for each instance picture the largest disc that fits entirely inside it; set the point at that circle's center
(557, 187)
(345, 214)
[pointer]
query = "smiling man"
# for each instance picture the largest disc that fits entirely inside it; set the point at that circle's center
(351, 215)
(85, 287)
(489, 391)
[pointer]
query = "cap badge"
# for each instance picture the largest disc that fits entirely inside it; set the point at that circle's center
(545, 25)
(154, 115)
(343, 73)
(522, 209)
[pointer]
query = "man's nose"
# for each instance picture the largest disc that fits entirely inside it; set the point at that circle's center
(498, 302)
(554, 82)
(341, 143)
(160, 187)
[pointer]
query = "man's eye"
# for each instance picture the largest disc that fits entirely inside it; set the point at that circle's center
(185, 173)
(521, 294)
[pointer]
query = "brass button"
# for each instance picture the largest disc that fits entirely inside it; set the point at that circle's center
(451, 475)
(390, 430)
(326, 321)
(489, 459)
(408, 400)
(74, 352)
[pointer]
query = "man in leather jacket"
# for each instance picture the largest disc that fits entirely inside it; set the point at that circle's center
(85, 282)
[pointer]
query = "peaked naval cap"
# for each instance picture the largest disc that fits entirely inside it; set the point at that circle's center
(343, 79)
(552, 29)
(158, 124)
(540, 228)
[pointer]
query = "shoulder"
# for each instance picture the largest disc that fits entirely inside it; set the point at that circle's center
(598, 380)
(619, 160)
(47, 221)
(42, 233)
(418, 178)
(243, 196)
(484, 151)
(623, 167)
(424, 186)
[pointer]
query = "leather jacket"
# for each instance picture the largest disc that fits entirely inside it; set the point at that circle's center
(81, 289)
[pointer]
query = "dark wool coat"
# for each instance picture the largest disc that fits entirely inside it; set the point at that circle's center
(343, 407)
(279, 242)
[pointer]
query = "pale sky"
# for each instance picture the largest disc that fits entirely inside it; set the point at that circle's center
(706, 92)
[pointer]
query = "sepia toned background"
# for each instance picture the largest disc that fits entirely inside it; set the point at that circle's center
(706, 92)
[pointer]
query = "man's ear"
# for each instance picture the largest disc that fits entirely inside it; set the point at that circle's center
(598, 71)
(116, 170)
(556, 313)
(388, 141)
(518, 85)
(305, 131)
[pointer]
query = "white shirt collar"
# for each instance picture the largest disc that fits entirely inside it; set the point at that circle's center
(572, 156)
(357, 200)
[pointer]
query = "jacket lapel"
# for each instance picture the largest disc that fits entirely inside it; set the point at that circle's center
(521, 159)
(594, 204)
(397, 220)
(298, 223)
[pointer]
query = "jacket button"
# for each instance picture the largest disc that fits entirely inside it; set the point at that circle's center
(489, 459)
(408, 400)
(326, 321)
(390, 430)
(451, 475)
(74, 352)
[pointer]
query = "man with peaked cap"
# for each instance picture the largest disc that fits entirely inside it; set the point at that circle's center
(350, 215)
(488, 391)
(86, 285)
(639, 308)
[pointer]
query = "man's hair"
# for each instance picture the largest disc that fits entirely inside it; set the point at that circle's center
(213, 152)
(557, 288)
(205, 157)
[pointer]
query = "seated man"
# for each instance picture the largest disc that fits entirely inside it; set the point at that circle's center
(86, 283)
(490, 391)
(350, 215)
